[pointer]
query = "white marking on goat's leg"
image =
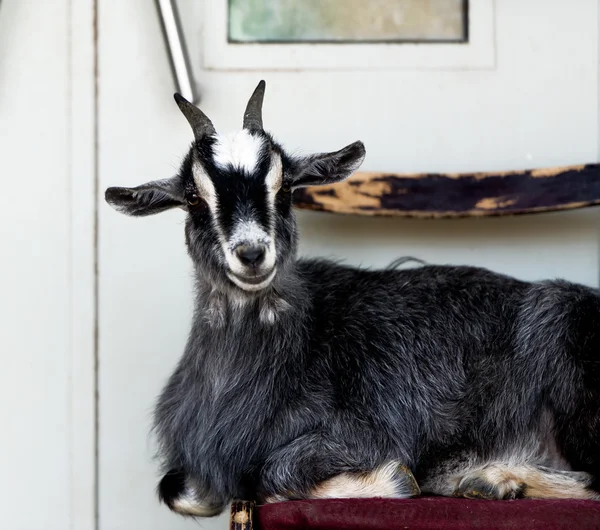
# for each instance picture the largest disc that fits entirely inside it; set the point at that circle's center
(553, 484)
(391, 480)
(491, 482)
(502, 481)
(189, 504)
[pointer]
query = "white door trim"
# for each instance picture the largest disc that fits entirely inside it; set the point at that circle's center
(83, 189)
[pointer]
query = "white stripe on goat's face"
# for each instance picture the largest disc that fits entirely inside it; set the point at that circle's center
(239, 150)
(205, 186)
(240, 183)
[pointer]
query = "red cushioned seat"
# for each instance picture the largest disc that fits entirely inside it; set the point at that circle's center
(429, 513)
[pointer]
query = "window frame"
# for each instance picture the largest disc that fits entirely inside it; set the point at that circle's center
(475, 54)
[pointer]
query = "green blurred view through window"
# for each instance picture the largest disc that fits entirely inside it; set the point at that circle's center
(298, 21)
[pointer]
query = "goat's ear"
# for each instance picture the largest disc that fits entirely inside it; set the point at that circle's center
(328, 168)
(147, 199)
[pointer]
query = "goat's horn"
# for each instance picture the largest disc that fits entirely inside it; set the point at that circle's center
(200, 123)
(253, 114)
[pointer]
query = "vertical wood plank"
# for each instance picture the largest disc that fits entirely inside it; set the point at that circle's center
(36, 282)
(83, 195)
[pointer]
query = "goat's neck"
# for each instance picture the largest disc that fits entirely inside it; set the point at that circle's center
(221, 301)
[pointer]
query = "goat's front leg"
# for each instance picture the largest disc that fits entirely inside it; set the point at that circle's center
(312, 467)
(186, 496)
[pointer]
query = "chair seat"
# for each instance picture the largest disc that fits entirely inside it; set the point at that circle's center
(429, 513)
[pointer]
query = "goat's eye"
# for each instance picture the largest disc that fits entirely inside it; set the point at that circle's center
(286, 188)
(193, 199)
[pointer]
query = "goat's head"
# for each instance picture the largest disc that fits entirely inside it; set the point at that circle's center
(237, 190)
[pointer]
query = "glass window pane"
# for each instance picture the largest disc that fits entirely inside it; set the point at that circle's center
(297, 21)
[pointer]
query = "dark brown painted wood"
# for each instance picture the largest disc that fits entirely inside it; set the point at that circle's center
(242, 515)
(438, 195)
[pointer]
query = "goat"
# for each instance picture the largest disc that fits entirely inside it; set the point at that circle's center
(308, 379)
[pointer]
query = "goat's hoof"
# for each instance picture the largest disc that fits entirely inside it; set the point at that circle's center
(407, 482)
(491, 485)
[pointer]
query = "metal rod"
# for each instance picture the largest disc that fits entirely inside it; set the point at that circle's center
(176, 48)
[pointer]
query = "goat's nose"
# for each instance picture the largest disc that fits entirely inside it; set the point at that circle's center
(250, 255)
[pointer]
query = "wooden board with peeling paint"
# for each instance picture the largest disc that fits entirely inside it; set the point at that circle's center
(439, 195)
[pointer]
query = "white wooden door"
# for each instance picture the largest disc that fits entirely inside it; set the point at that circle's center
(46, 280)
(527, 96)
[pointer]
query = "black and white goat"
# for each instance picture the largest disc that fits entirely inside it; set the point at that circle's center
(309, 379)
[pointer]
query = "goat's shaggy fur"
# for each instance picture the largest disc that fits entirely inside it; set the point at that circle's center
(329, 380)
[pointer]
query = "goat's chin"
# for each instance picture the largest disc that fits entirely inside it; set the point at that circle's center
(252, 284)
